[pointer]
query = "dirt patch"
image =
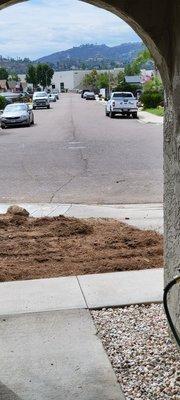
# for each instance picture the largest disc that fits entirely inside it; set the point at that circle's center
(33, 248)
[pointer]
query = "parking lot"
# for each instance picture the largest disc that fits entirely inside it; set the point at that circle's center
(75, 154)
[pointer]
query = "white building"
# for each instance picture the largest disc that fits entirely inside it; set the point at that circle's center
(71, 80)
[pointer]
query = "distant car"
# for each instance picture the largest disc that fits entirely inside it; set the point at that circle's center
(17, 114)
(52, 97)
(40, 99)
(90, 96)
(84, 91)
(54, 91)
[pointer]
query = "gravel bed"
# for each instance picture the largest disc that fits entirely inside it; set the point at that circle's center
(145, 360)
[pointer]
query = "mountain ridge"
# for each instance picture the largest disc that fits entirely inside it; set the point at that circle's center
(93, 55)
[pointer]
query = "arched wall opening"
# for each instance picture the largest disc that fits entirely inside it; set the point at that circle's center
(158, 26)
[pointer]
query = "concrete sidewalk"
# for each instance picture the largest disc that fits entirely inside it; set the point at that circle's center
(148, 118)
(78, 292)
(143, 216)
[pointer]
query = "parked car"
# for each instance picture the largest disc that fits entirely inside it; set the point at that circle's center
(52, 97)
(55, 91)
(10, 96)
(17, 114)
(40, 99)
(122, 103)
(84, 91)
(90, 96)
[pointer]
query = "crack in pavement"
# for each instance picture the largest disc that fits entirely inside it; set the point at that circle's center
(61, 187)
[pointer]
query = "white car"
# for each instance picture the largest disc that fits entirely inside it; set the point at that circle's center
(122, 103)
(52, 97)
(55, 91)
(40, 99)
(85, 94)
(90, 96)
(17, 114)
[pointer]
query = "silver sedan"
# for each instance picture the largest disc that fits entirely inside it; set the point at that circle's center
(17, 114)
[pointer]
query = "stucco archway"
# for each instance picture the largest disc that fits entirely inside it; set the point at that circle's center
(158, 26)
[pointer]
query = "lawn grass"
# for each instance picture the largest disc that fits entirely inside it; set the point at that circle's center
(156, 111)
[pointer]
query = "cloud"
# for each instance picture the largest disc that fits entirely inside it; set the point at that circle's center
(40, 27)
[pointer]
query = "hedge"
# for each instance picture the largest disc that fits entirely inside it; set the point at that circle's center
(151, 99)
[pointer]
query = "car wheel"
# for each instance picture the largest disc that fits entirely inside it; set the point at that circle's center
(3, 126)
(134, 115)
(107, 113)
(48, 107)
(34, 108)
(29, 122)
(111, 114)
(32, 121)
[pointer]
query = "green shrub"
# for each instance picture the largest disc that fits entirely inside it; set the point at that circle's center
(3, 102)
(151, 99)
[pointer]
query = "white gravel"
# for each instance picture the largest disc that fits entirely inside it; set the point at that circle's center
(142, 354)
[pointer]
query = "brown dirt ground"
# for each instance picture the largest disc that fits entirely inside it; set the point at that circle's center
(33, 248)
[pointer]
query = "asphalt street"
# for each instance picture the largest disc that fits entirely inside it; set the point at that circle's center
(75, 154)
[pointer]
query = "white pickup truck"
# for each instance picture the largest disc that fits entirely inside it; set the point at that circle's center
(122, 103)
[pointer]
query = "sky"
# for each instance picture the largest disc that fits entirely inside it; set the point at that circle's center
(37, 28)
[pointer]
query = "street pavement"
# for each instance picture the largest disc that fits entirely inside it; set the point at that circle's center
(74, 154)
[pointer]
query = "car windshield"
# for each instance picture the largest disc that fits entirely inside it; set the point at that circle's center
(16, 107)
(40, 94)
(120, 94)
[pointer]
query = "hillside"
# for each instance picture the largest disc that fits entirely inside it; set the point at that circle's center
(93, 56)
(87, 56)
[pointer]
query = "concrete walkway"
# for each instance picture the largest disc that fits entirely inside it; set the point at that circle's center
(54, 356)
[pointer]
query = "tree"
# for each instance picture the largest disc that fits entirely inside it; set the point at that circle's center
(3, 102)
(40, 74)
(31, 76)
(44, 74)
(153, 93)
(123, 86)
(154, 84)
(132, 69)
(135, 67)
(90, 80)
(13, 77)
(103, 80)
(3, 73)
